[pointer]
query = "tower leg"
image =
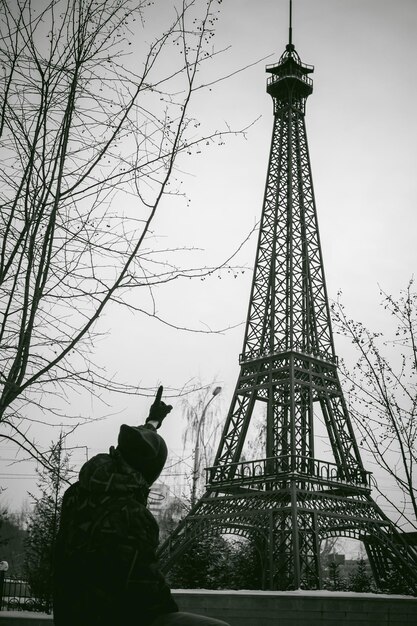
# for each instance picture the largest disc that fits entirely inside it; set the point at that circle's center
(295, 537)
(309, 551)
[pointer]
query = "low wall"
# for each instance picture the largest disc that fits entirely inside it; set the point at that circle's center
(276, 608)
(300, 608)
(24, 618)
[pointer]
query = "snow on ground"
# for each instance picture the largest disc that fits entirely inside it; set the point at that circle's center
(298, 592)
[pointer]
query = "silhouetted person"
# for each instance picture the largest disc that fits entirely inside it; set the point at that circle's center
(106, 571)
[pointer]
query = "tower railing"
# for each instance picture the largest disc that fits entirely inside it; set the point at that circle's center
(285, 58)
(258, 473)
(289, 74)
(252, 354)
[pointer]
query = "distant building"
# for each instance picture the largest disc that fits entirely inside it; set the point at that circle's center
(345, 566)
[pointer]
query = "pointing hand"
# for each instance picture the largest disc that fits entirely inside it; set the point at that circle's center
(159, 410)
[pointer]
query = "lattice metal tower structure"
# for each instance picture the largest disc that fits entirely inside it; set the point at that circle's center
(289, 501)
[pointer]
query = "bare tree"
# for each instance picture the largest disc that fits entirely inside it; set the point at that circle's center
(383, 395)
(90, 138)
(200, 432)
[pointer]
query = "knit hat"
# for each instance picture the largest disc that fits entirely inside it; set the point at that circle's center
(143, 449)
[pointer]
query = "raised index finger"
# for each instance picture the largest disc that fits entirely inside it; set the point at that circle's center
(158, 395)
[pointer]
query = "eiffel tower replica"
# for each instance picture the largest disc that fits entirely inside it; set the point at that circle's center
(289, 501)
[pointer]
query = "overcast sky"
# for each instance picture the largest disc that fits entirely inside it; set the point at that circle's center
(362, 134)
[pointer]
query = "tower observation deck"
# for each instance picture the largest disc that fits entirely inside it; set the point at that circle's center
(289, 76)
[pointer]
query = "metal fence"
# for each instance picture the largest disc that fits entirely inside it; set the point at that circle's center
(16, 595)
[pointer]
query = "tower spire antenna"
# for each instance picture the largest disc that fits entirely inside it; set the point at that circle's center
(290, 28)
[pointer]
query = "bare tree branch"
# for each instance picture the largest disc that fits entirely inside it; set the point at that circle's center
(383, 395)
(91, 139)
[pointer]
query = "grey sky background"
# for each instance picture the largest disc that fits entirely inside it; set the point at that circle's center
(362, 133)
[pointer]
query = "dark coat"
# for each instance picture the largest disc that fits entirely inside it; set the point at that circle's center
(105, 560)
